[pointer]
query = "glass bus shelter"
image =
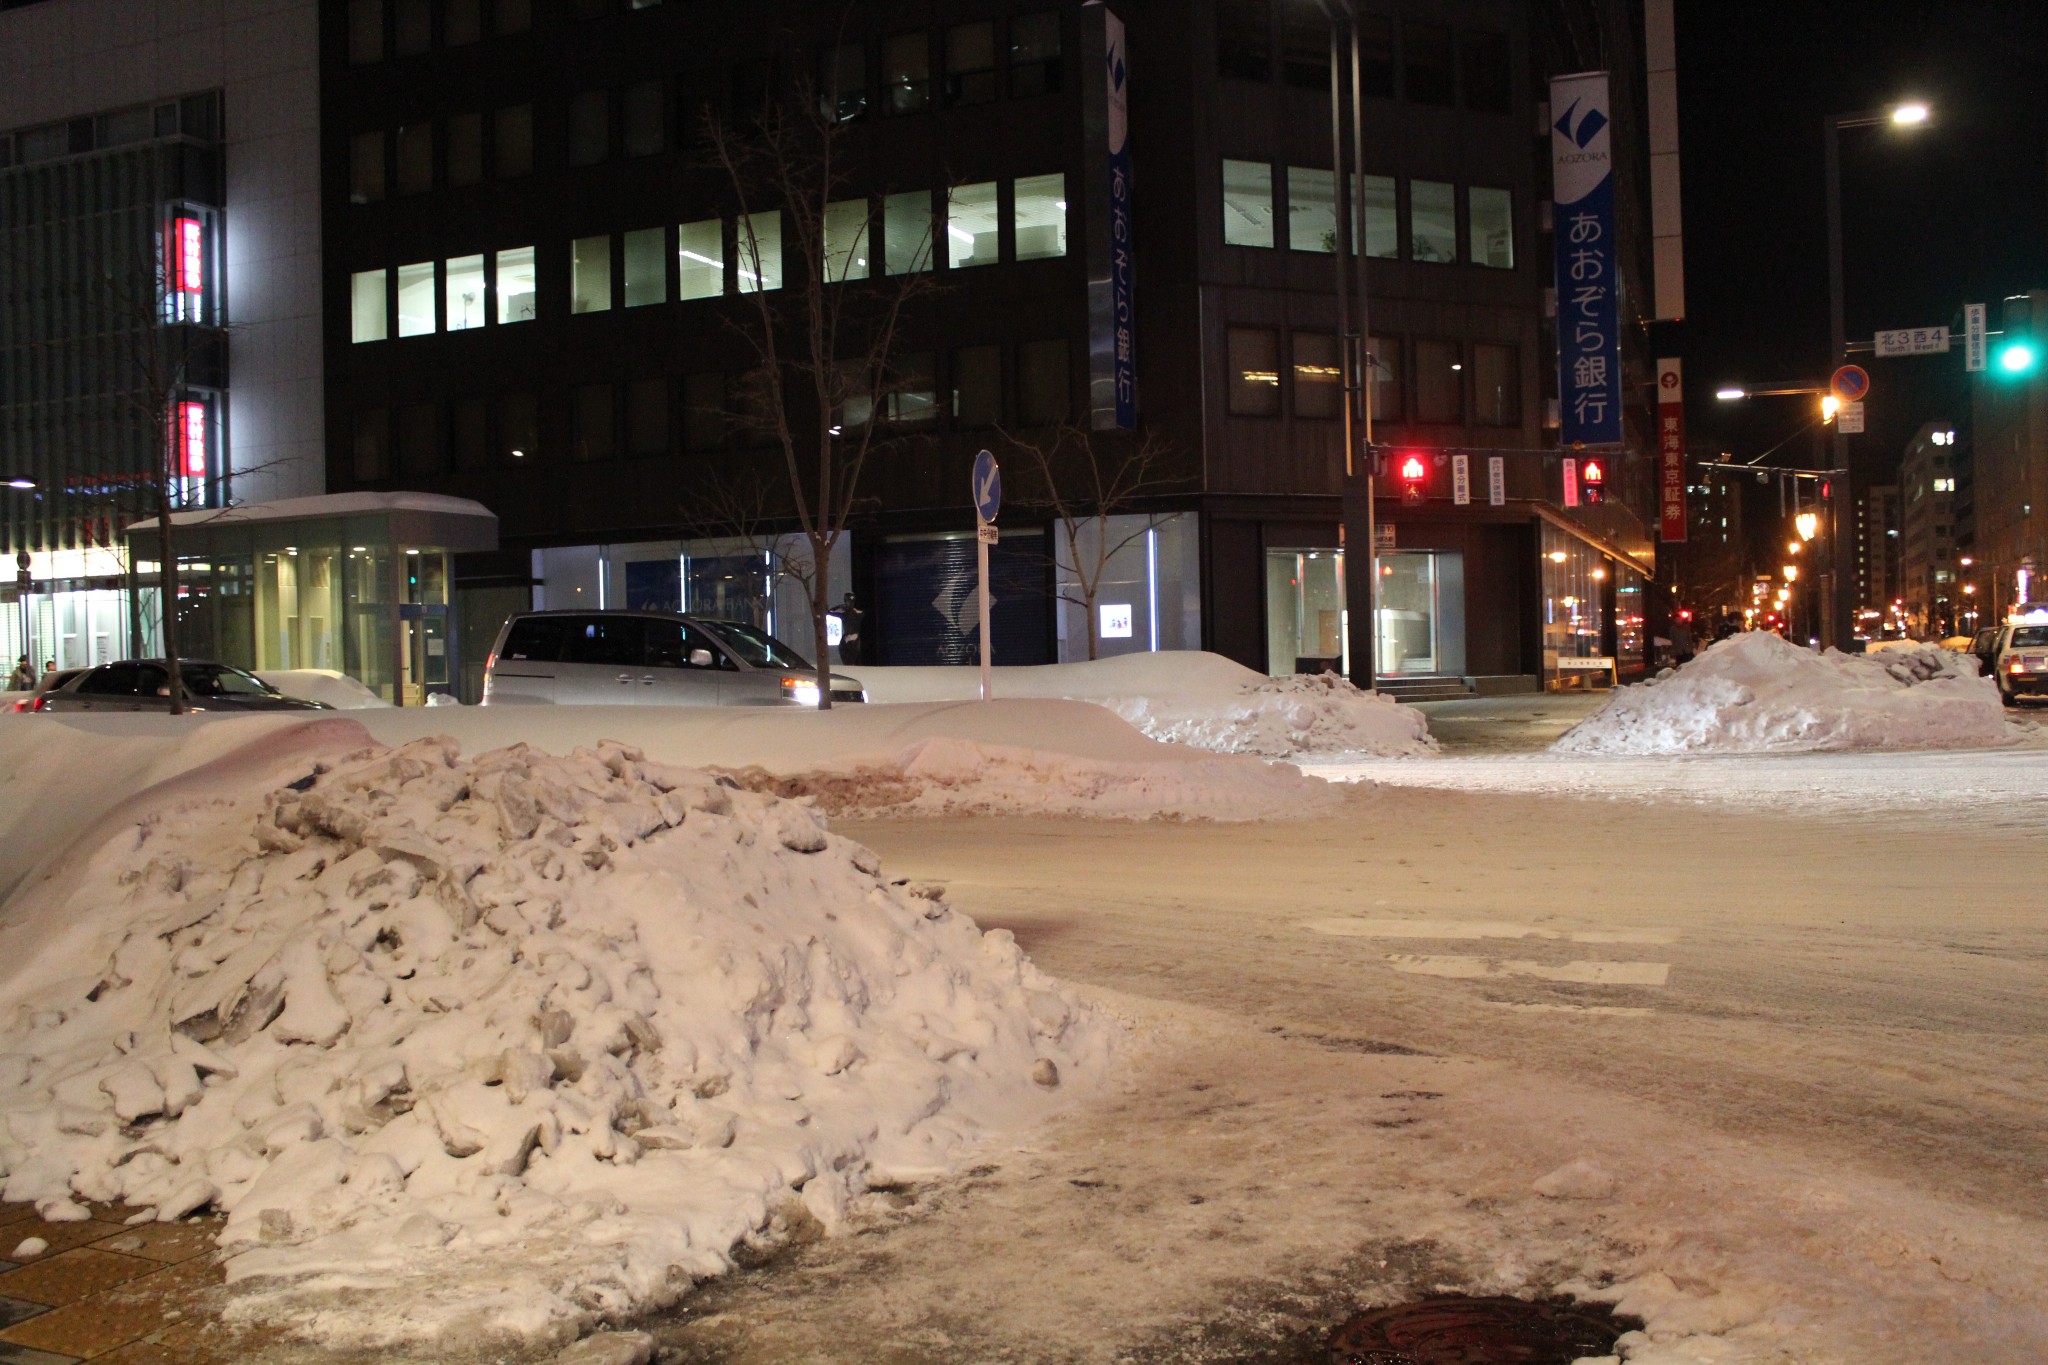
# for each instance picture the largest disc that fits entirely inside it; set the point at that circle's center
(359, 583)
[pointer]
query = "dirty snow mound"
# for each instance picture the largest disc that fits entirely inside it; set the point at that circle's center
(1281, 717)
(1759, 693)
(511, 1042)
(947, 776)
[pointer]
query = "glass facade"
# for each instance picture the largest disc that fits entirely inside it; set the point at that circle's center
(1432, 221)
(1421, 612)
(464, 292)
(515, 285)
(760, 252)
(1247, 203)
(1493, 228)
(590, 267)
(971, 217)
(646, 268)
(1311, 209)
(907, 232)
(700, 253)
(846, 240)
(1578, 635)
(416, 299)
(1040, 216)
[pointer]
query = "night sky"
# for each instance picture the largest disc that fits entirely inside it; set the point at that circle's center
(1954, 212)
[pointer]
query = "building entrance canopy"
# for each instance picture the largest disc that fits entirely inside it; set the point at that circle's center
(355, 582)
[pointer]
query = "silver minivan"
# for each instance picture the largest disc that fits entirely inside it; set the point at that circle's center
(648, 658)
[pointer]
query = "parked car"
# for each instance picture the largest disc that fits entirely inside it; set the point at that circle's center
(49, 682)
(1984, 648)
(648, 658)
(145, 685)
(2021, 664)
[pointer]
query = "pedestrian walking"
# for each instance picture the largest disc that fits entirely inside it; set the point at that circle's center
(23, 678)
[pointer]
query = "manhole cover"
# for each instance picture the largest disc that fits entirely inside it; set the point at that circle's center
(1456, 1330)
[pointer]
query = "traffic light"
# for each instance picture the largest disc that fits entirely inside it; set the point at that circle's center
(2015, 357)
(1592, 480)
(1412, 472)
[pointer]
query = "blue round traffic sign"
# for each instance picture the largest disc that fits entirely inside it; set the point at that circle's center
(1850, 383)
(988, 486)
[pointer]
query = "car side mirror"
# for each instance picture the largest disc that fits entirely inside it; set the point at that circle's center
(700, 658)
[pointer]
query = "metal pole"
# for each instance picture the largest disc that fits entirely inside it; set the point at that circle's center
(1833, 631)
(1367, 366)
(981, 569)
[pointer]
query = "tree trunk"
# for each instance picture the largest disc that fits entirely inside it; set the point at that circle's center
(821, 584)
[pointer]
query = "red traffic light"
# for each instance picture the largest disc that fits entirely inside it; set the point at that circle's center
(1593, 472)
(1413, 470)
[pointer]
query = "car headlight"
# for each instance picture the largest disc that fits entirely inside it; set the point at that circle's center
(801, 691)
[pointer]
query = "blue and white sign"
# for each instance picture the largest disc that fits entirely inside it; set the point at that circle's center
(1588, 316)
(988, 486)
(1124, 368)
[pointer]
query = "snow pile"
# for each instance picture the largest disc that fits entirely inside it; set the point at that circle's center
(515, 1041)
(960, 777)
(1318, 713)
(1756, 692)
(338, 690)
(1192, 698)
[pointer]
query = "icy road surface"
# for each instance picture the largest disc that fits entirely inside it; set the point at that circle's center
(1786, 1016)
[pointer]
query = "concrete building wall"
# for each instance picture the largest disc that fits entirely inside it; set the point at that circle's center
(70, 58)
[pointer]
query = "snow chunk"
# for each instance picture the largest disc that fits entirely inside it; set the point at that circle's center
(1759, 693)
(1580, 1179)
(28, 1249)
(514, 1043)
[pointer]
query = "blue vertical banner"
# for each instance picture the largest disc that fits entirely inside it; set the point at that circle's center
(1582, 224)
(1116, 71)
(1106, 209)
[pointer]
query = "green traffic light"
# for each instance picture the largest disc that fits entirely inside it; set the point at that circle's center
(2018, 357)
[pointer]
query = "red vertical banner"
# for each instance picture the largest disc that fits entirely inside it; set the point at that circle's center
(192, 439)
(1671, 450)
(1571, 481)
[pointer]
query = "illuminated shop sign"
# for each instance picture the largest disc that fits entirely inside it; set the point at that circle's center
(188, 255)
(192, 439)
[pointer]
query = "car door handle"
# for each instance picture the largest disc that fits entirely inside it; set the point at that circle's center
(625, 677)
(647, 678)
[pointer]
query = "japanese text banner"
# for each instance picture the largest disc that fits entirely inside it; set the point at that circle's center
(1588, 330)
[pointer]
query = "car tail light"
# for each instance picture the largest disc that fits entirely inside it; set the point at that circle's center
(2016, 666)
(40, 704)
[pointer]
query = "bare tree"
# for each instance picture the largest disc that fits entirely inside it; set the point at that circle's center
(1083, 486)
(825, 384)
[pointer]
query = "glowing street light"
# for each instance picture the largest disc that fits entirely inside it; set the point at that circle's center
(1791, 573)
(1907, 115)
(1730, 393)
(1829, 406)
(1808, 524)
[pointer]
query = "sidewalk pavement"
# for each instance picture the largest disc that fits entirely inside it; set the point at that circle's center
(107, 1292)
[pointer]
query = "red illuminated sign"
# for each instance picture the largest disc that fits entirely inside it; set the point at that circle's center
(188, 274)
(1592, 478)
(192, 439)
(1413, 470)
(1672, 514)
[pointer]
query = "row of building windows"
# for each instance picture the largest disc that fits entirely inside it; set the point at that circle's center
(472, 147)
(1030, 383)
(1298, 211)
(902, 67)
(408, 27)
(1439, 386)
(1413, 60)
(1018, 220)
(196, 116)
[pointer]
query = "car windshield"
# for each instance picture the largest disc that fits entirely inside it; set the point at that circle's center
(218, 680)
(2029, 637)
(757, 649)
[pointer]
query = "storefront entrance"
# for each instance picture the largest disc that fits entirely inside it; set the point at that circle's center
(1421, 618)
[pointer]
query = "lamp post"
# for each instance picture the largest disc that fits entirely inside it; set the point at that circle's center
(1907, 115)
(1361, 598)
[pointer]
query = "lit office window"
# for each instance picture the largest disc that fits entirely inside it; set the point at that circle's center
(369, 318)
(760, 248)
(1247, 203)
(700, 252)
(1493, 227)
(971, 237)
(646, 270)
(907, 73)
(464, 292)
(590, 269)
(846, 240)
(1311, 209)
(907, 232)
(1254, 356)
(416, 299)
(1382, 221)
(515, 284)
(1040, 216)
(1318, 375)
(1432, 220)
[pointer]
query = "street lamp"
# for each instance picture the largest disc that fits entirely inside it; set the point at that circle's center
(1808, 524)
(23, 485)
(1906, 115)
